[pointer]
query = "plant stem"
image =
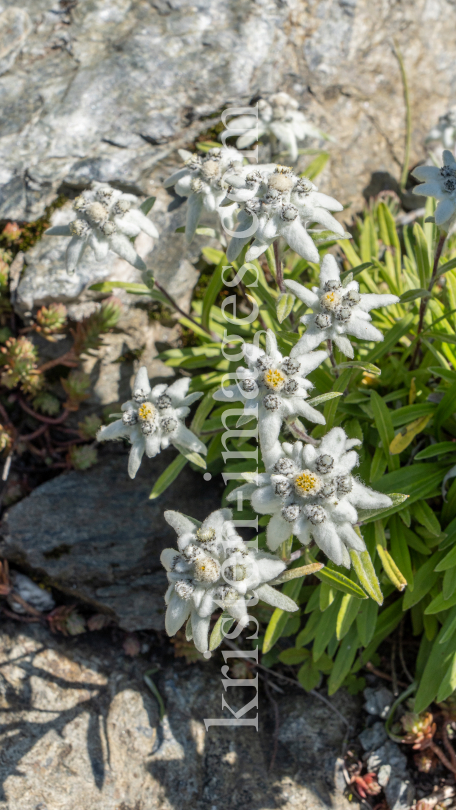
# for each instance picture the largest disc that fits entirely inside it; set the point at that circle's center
(279, 268)
(299, 433)
(178, 308)
(424, 301)
(329, 344)
(408, 117)
(285, 549)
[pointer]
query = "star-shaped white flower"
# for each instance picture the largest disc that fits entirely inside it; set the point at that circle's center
(279, 203)
(311, 493)
(337, 310)
(202, 181)
(273, 387)
(441, 184)
(214, 569)
(154, 419)
(279, 117)
(106, 219)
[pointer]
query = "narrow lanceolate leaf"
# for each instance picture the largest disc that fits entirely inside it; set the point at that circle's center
(277, 598)
(384, 425)
(412, 295)
(293, 656)
(406, 435)
(147, 205)
(344, 660)
(109, 286)
(191, 456)
(365, 572)
(367, 515)
(221, 628)
(391, 570)
(280, 617)
(356, 270)
(285, 303)
(438, 449)
(294, 573)
(213, 289)
(168, 476)
(340, 582)
(445, 408)
(326, 397)
(347, 614)
(436, 667)
(448, 684)
(369, 367)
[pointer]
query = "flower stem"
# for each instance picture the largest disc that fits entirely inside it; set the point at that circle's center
(298, 432)
(424, 301)
(279, 268)
(329, 344)
(178, 308)
(285, 549)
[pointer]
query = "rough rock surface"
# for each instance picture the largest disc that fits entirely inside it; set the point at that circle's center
(109, 88)
(80, 728)
(96, 535)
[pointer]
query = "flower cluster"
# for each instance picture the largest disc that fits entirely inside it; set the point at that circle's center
(311, 493)
(273, 388)
(337, 310)
(202, 180)
(280, 118)
(212, 569)
(276, 202)
(105, 219)
(441, 184)
(153, 419)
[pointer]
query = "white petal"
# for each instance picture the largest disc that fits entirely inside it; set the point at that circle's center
(371, 301)
(167, 557)
(326, 538)
(194, 209)
(448, 158)
(301, 408)
(177, 613)
(325, 201)
(276, 598)
(333, 444)
(344, 345)
(302, 292)
(265, 501)
(278, 530)
(311, 338)
(269, 566)
(329, 270)
(351, 538)
(366, 498)
(256, 250)
(152, 444)
(116, 430)
(344, 512)
(426, 173)
(141, 383)
(186, 438)
(300, 241)
(432, 189)
(180, 523)
(200, 630)
(229, 393)
(121, 245)
(269, 424)
(58, 230)
(144, 223)
(170, 181)
(326, 219)
(309, 362)
(135, 458)
(444, 211)
(74, 251)
(363, 330)
(178, 389)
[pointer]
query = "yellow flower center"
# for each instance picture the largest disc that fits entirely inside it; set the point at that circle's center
(274, 379)
(147, 412)
(307, 483)
(330, 300)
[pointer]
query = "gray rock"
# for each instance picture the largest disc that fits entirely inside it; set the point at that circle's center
(388, 754)
(80, 728)
(384, 775)
(96, 536)
(378, 701)
(400, 793)
(108, 90)
(373, 737)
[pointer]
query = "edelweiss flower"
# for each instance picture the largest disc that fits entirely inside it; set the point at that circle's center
(283, 204)
(337, 310)
(215, 569)
(279, 117)
(441, 184)
(311, 493)
(202, 181)
(105, 220)
(273, 387)
(154, 419)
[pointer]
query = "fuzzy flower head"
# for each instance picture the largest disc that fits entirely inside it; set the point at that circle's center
(337, 310)
(214, 569)
(441, 184)
(272, 388)
(202, 180)
(279, 117)
(153, 419)
(105, 219)
(311, 493)
(279, 203)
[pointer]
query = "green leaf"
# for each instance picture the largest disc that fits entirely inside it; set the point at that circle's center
(445, 408)
(436, 667)
(147, 205)
(191, 456)
(109, 286)
(384, 426)
(302, 571)
(449, 561)
(356, 270)
(391, 339)
(448, 627)
(331, 407)
(448, 684)
(366, 621)
(214, 256)
(347, 614)
(439, 603)
(316, 166)
(340, 582)
(425, 515)
(326, 397)
(365, 572)
(344, 660)
(417, 480)
(406, 435)
(221, 628)
(285, 303)
(309, 676)
(293, 656)
(212, 291)
(443, 268)
(422, 255)
(369, 367)
(280, 617)
(168, 476)
(438, 449)
(412, 295)
(425, 579)
(326, 628)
